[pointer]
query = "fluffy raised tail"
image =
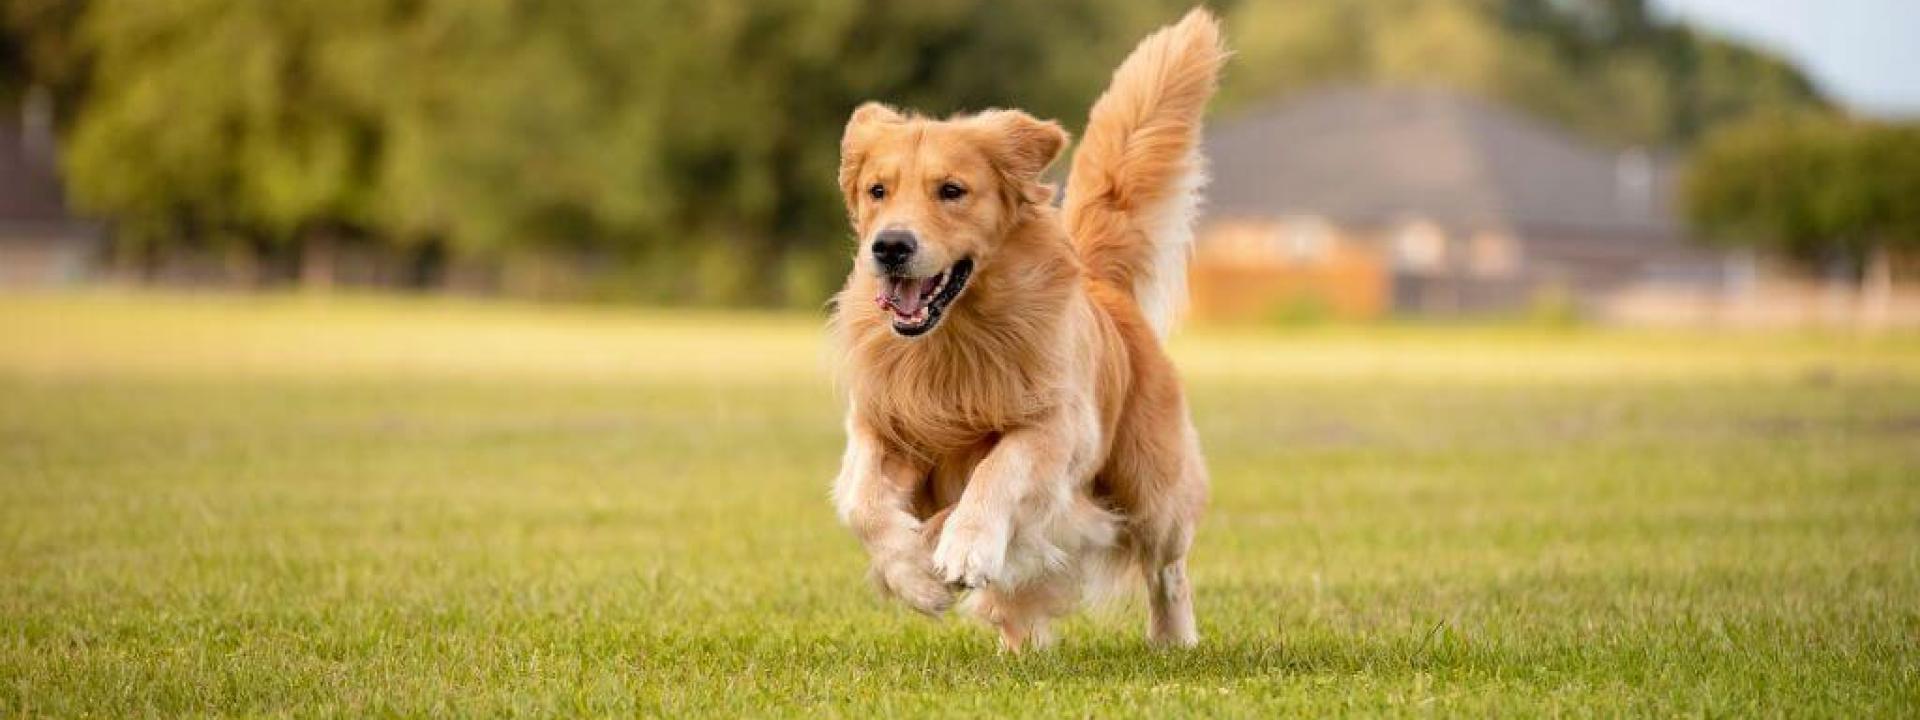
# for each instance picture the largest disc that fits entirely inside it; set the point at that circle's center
(1135, 184)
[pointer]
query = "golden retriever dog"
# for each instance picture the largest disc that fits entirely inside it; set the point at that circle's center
(1015, 431)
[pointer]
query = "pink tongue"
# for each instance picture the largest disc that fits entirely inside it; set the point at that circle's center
(906, 294)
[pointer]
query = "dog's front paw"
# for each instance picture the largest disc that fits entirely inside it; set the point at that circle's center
(908, 577)
(971, 553)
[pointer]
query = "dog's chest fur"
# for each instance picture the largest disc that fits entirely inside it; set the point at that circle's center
(935, 398)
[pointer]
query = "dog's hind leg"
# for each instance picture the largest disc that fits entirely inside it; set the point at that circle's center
(1162, 488)
(1163, 559)
(1170, 599)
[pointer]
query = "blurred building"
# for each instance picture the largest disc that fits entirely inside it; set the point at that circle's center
(40, 242)
(1359, 202)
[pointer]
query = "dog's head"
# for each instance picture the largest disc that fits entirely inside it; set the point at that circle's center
(931, 200)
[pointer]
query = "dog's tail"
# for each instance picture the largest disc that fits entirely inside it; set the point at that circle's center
(1136, 178)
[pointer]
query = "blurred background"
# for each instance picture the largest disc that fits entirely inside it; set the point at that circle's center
(1694, 162)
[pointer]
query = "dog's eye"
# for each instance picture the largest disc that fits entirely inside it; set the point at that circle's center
(877, 192)
(952, 191)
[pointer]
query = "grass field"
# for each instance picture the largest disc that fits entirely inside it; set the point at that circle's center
(287, 506)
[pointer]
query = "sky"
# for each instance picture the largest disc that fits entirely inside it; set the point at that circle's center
(1864, 54)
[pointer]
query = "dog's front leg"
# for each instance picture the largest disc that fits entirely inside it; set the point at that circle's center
(874, 497)
(1032, 467)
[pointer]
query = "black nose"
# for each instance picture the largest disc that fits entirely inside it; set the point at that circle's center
(892, 248)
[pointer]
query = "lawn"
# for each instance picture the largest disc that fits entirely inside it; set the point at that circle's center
(351, 507)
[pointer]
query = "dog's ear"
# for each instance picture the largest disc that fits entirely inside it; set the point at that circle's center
(854, 143)
(1022, 148)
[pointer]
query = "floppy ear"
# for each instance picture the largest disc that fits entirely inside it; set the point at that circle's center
(1021, 148)
(854, 144)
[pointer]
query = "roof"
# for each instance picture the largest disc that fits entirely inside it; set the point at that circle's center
(1381, 155)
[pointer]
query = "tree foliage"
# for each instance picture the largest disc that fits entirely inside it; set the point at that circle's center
(1608, 68)
(690, 146)
(694, 139)
(1821, 188)
(39, 47)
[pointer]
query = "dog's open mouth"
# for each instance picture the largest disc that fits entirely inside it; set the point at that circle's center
(918, 303)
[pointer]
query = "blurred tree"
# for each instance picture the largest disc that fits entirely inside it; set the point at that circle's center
(694, 141)
(1608, 68)
(227, 123)
(1830, 191)
(691, 146)
(38, 49)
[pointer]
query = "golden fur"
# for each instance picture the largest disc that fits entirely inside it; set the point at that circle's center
(1037, 435)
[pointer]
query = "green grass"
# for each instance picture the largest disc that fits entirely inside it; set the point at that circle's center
(287, 506)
